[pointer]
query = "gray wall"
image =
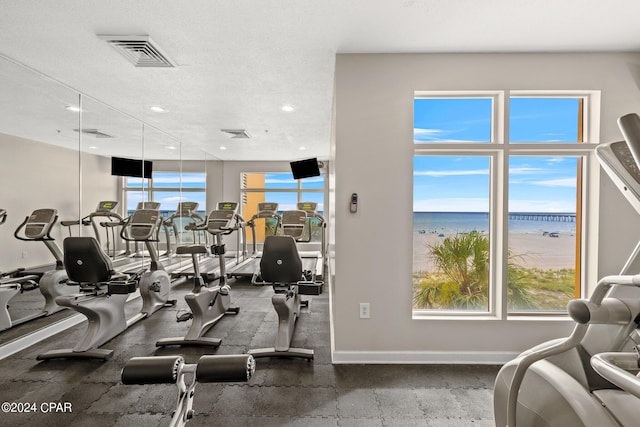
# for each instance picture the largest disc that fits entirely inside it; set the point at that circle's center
(36, 175)
(372, 155)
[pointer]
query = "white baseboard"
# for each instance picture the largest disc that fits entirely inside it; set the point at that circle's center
(423, 357)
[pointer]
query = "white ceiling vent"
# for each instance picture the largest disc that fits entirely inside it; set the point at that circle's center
(141, 51)
(94, 132)
(236, 133)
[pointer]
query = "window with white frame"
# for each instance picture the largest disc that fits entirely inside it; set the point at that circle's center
(169, 189)
(498, 193)
(286, 191)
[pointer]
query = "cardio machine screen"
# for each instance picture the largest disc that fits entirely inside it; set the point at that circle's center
(107, 206)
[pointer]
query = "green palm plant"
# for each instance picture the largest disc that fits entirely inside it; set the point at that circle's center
(464, 260)
(519, 293)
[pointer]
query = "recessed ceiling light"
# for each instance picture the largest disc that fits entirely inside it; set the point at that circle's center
(157, 109)
(302, 148)
(223, 147)
(93, 147)
(171, 147)
(288, 108)
(73, 108)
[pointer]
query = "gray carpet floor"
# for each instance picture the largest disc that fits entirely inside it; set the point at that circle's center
(283, 392)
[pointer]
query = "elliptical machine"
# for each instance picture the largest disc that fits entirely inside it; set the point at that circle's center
(207, 304)
(36, 227)
(589, 378)
(103, 292)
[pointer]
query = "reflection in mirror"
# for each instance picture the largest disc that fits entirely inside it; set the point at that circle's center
(163, 152)
(39, 175)
(65, 166)
(184, 191)
(109, 135)
(39, 163)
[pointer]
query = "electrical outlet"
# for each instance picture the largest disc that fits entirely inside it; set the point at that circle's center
(365, 310)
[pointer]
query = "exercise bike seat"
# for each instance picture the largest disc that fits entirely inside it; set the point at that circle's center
(280, 262)
(88, 265)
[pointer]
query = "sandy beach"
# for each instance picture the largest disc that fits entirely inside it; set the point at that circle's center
(534, 250)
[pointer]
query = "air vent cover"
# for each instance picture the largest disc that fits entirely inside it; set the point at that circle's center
(141, 51)
(237, 133)
(94, 132)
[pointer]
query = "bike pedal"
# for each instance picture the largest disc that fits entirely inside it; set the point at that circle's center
(170, 303)
(184, 317)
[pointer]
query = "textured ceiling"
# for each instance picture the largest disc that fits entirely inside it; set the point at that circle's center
(240, 61)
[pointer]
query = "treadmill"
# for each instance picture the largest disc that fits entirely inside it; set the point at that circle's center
(248, 268)
(105, 213)
(298, 224)
(186, 212)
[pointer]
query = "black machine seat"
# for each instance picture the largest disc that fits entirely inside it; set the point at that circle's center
(88, 265)
(280, 262)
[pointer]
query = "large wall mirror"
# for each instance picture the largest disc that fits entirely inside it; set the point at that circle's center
(57, 149)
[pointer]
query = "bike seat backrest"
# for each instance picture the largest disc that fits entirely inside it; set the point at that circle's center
(293, 223)
(280, 262)
(85, 261)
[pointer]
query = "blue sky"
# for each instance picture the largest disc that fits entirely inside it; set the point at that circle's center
(461, 183)
(169, 199)
(288, 201)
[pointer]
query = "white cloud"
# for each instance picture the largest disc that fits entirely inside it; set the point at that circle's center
(421, 131)
(292, 181)
(436, 174)
(524, 205)
(279, 181)
(561, 182)
(523, 170)
(160, 179)
(459, 204)
(172, 199)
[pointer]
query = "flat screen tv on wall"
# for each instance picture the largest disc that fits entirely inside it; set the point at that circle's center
(131, 167)
(305, 168)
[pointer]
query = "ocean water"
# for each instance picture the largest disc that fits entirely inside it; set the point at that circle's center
(464, 222)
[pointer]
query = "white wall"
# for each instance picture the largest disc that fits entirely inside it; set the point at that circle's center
(372, 155)
(36, 175)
